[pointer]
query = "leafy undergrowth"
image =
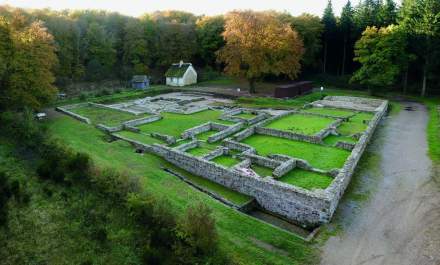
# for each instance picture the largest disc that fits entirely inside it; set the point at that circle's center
(306, 179)
(62, 224)
(322, 157)
(235, 229)
(304, 124)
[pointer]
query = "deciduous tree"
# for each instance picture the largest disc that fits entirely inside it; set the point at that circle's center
(258, 43)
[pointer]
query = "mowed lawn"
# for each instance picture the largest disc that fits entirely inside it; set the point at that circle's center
(174, 124)
(107, 117)
(304, 124)
(355, 124)
(330, 111)
(241, 236)
(319, 156)
(140, 137)
(306, 179)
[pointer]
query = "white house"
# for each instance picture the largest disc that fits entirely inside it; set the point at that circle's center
(181, 74)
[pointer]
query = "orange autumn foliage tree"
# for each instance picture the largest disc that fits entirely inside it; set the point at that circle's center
(258, 43)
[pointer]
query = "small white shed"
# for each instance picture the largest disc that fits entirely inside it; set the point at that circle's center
(181, 74)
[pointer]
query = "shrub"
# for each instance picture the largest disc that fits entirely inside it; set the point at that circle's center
(82, 96)
(114, 183)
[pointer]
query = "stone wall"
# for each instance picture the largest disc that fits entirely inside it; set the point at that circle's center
(190, 133)
(284, 167)
(109, 129)
(142, 121)
(262, 161)
(288, 135)
(305, 207)
(163, 137)
(225, 133)
(340, 183)
(102, 106)
(73, 115)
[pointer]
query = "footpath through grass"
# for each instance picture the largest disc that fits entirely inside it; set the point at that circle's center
(237, 231)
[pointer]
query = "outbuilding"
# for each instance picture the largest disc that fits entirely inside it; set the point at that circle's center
(181, 74)
(140, 82)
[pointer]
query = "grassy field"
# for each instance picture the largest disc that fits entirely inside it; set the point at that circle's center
(105, 116)
(322, 157)
(306, 179)
(330, 111)
(225, 160)
(174, 124)
(205, 135)
(238, 233)
(304, 124)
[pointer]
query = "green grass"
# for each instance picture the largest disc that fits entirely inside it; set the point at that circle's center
(333, 139)
(304, 124)
(105, 116)
(322, 157)
(174, 124)
(246, 116)
(262, 171)
(330, 111)
(236, 231)
(140, 137)
(224, 160)
(355, 124)
(202, 150)
(205, 135)
(306, 179)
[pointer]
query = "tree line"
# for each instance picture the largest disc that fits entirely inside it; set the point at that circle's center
(64, 47)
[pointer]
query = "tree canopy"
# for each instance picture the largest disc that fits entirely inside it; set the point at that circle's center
(259, 43)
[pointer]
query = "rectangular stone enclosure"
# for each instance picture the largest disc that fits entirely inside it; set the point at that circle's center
(305, 157)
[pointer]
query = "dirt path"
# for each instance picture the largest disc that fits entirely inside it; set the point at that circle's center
(400, 224)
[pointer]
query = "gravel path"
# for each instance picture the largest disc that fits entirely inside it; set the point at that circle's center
(400, 224)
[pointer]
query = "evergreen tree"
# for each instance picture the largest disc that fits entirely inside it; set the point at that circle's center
(329, 22)
(388, 13)
(346, 27)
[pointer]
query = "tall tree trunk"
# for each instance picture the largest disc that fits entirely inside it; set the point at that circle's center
(405, 81)
(344, 52)
(325, 57)
(251, 85)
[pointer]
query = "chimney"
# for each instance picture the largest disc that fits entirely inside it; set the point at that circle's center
(181, 63)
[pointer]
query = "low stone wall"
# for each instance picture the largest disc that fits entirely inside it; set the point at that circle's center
(109, 129)
(225, 133)
(331, 128)
(190, 133)
(340, 183)
(262, 161)
(73, 115)
(215, 153)
(284, 167)
(345, 145)
(132, 129)
(218, 126)
(305, 207)
(237, 146)
(288, 135)
(102, 106)
(187, 146)
(142, 121)
(257, 119)
(163, 137)
(244, 134)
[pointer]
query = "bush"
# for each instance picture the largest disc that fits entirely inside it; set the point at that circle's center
(82, 96)
(116, 184)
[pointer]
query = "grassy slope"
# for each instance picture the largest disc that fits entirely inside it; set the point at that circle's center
(304, 124)
(174, 124)
(318, 156)
(306, 179)
(236, 230)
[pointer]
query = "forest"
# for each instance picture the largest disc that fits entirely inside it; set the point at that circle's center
(383, 45)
